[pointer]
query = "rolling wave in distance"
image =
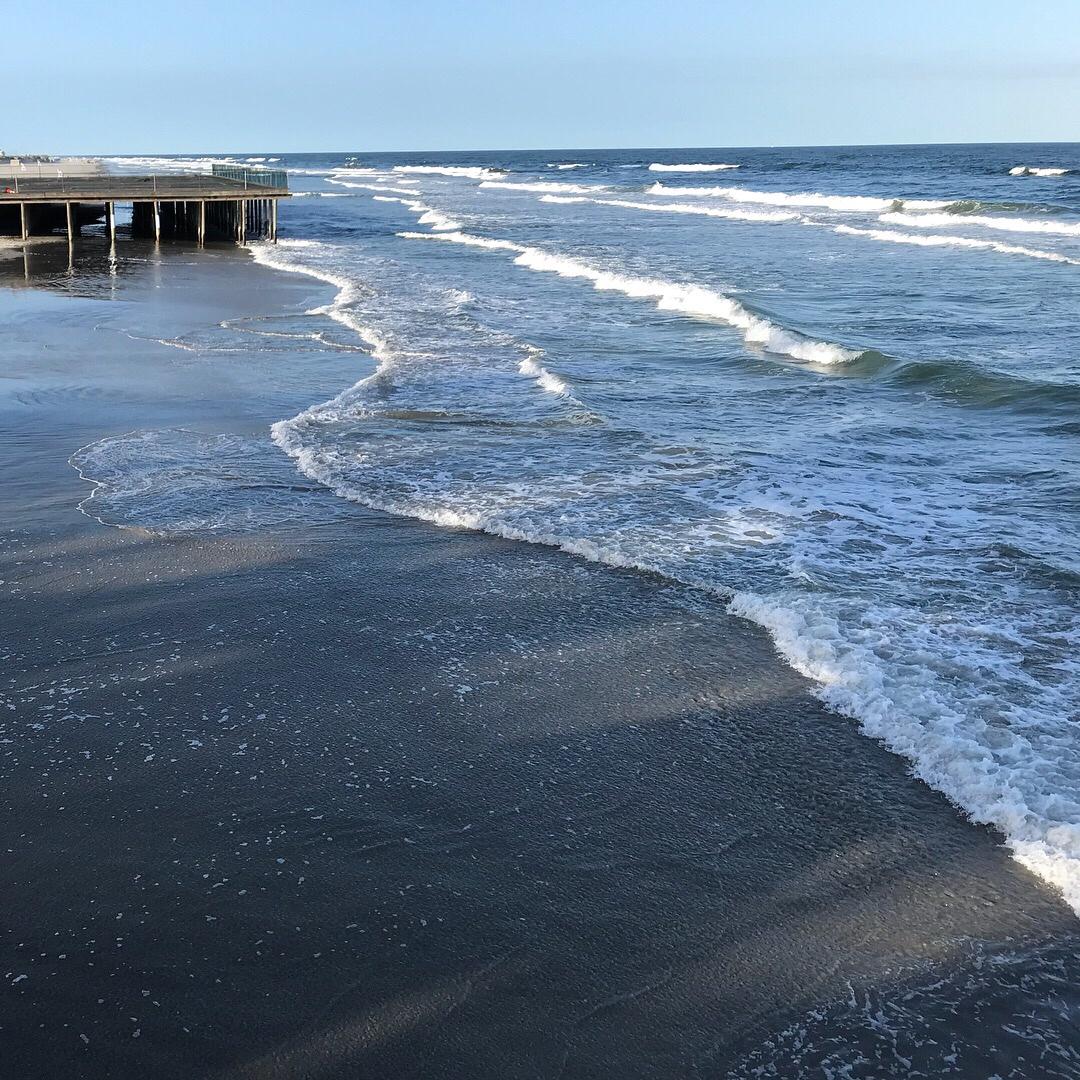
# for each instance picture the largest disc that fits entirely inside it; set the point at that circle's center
(1027, 170)
(1002, 224)
(658, 166)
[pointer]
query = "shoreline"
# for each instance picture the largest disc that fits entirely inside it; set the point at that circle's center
(532, 813)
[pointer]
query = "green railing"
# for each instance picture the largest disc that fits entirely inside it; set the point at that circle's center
(252, 176)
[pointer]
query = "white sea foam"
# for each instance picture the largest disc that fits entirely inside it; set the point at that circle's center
(937, 240)
(843, 203)
(916, 722)
(1001, 224)
(566, 165)
(1027, 170)
(551, 383)
(279, 256)
(428, 215)
(470, 172)
(371, 187)
(545, 185)
(691, 300)
(657, 166)
(687, 208)
(437, 220)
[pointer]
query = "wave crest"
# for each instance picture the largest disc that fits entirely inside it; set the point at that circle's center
(470, 172)
(659, 166)
(695, 301)
(1028, 170)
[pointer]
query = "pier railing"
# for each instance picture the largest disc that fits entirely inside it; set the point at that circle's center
(252, 177)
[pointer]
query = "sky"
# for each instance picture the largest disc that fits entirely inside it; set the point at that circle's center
(232, 76)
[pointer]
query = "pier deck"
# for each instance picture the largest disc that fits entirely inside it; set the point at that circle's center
(176, 205)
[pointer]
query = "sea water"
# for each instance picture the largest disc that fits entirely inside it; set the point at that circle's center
(836, 389)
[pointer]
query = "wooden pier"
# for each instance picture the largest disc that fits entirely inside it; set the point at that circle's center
(238, 207)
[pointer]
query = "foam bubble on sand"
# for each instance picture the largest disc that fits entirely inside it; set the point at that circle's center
(1027, 170)
(692, 300)
(174, 480)
(658, 166)
(470, 172)
(545, 185)
(938, 240)
(1001, 224)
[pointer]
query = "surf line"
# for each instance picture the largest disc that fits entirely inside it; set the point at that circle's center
(937, 240)
(695, 301)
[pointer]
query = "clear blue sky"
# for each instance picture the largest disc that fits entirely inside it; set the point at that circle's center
(130, 76)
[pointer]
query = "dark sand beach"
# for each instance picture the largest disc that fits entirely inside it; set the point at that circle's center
(348, 795)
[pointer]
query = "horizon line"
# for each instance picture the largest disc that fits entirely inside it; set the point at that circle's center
(567, 149)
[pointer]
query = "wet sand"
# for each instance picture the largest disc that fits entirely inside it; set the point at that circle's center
(366, 798)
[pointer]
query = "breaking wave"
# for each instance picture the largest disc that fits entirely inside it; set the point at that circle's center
(544, 379)
(371, 187)
(695, 301)
(545, 185)
(858, 203)
(658, 166)
(938, 240)
(1001, 224)
(428, 215)
(471, 172)
(683, 208)
(1028, 170)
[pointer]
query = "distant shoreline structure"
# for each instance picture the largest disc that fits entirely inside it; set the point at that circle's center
(44, 167)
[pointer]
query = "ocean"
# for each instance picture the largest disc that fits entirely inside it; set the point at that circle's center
(833, 390)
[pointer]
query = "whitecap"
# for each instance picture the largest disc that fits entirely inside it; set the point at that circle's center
(471, 172)
(937, 240)
(658, 166)
(695, 301)
(545, 186)
(1001, 224)
(1027, 170)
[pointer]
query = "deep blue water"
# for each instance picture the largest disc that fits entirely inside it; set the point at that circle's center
(835, 388)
